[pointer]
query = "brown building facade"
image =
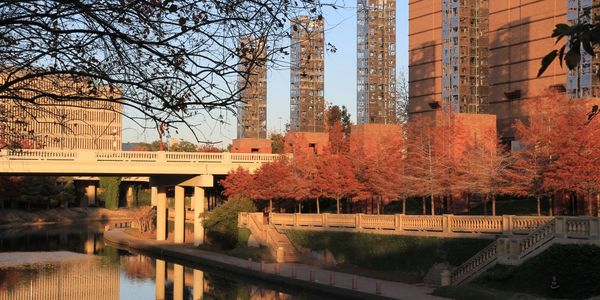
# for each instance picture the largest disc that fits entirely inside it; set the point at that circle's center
(376, 65)
(518, 36)
(252, 110)
(307, 101)
(63, 123)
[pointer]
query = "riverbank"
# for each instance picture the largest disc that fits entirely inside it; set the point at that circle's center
(11, 218)
(307, 277)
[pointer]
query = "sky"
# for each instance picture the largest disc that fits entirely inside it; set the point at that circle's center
(340, 80)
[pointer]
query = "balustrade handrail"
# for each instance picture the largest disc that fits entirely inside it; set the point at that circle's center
(133, 156)
(478, 261)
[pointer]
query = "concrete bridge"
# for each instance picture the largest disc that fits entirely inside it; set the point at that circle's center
(165, 169)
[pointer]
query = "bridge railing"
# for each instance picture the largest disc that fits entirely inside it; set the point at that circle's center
(575, 227)
(86, 156)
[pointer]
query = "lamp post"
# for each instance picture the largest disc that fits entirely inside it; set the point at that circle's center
(114, 135)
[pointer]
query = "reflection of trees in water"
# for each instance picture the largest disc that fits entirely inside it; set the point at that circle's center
(217, 287)
(138, 266)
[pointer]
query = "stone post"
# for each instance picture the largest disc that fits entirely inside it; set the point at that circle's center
(178, 281)
(198, 215)
(160, 279)
(280, 254)
(446, 224)
(161, 214)
(226, 157)
(398, 218)
(179, 233)
(514, 251)
(359, 222)
(153, 195)
(594, 227)
(296, 220)
(445, 278)
(560, 226)
(507, 224)
(324, 220)
(129, 196)
(161, 157)
(198, 285)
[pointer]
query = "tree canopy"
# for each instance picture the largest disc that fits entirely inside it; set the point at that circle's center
(164, 61)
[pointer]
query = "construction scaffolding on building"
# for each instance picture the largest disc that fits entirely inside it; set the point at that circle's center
(465, 50)
(376, 65)
(307, 101)
(252, 83)
(582, 81)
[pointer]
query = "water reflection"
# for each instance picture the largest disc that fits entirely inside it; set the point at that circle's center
(108, 273)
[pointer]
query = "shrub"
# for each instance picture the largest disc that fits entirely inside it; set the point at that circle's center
(221, 223)
(110, 195)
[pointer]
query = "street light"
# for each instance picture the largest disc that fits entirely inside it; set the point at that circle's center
(114, 134)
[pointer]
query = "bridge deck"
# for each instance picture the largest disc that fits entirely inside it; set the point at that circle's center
(125, 163)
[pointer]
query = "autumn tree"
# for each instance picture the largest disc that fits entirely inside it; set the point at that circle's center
(164, 61)
(576, 147)
(486, 170)
(273, 180)
(428, 161)
(239, 183)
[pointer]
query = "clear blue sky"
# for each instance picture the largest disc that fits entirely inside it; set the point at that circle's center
(340, 78)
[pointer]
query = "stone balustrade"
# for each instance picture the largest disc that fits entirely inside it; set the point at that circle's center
(514, 250)
(133, 156)
(441, 225)
(520, 237)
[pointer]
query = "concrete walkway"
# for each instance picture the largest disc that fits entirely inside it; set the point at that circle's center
(299, 275)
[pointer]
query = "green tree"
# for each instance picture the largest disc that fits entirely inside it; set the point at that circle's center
(277, 143)
(183, 146)
(110, 194)
(221, 223)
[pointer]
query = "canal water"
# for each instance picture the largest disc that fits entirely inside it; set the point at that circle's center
(73, 262)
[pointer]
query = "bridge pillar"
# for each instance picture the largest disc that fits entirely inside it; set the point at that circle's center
(198, 201)
(160, 279)
(178, 282)
(129, 196)
(179, 215)
(90, 195)
(198, 285)
(153, 195)
(161, 214)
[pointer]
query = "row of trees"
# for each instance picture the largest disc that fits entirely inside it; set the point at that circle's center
(443, 164)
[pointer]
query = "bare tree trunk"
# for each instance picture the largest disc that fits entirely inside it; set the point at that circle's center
(550, 205)
(589, 200)
(404, 205)
(338, 205)
(468, 203)
(424, 205)
(270, 205)
(318, 207)
(432, 204)
(485, 201)
(379, 206)
(493, 204)
(539, 205)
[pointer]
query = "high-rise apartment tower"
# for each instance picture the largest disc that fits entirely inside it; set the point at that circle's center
(464, 55)
(307, 102)
(252, 81)
(376, 65)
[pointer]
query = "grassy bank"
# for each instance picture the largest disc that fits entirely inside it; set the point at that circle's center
(577, 268)
(405, 258)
